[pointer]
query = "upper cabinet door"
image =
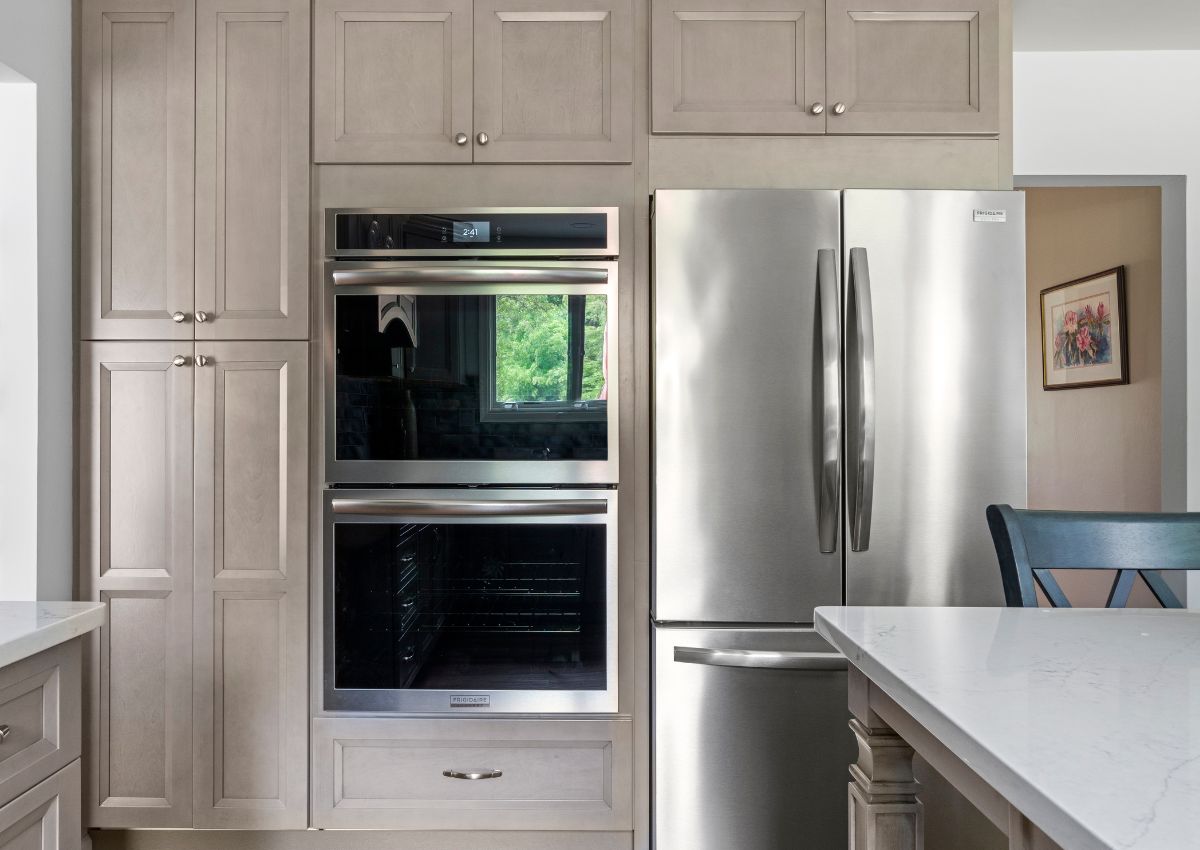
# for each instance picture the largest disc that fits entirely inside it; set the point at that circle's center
(392, 81)
(553, 81)
(136, 169)
(252, 168)
(914, 66)
(738, 66)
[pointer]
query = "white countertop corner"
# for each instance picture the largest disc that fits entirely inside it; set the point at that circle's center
(27, 628)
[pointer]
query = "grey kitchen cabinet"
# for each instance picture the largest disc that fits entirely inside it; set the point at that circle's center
(738, 66)
(251, 585)
(46, 817)
(456, 81)
(838, 67)
(194, 169)
(137, 191)
(193, 476)
(252, 169)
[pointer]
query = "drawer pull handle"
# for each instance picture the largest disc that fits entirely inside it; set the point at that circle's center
(5, 731)
(473, 774)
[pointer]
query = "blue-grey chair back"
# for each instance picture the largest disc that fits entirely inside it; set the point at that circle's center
(1031, 543)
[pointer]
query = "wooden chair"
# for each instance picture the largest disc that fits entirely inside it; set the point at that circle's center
(1031, 543)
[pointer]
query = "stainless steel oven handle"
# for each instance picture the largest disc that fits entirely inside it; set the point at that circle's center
(457, 507)
(466, 274)
(766, 659)
(477, 773)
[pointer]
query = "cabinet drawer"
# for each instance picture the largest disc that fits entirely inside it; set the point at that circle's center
(46, 817)
(39, 704)
(390, 773)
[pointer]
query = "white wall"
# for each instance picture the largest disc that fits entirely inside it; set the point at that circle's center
(18, 301)
(35, 40)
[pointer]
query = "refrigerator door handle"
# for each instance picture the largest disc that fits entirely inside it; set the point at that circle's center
(828, 511)
(861, 420)
(764, 659)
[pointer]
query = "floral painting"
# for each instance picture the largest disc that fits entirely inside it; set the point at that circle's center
(1083, 332)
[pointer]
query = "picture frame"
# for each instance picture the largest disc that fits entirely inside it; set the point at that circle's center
(1085, 339)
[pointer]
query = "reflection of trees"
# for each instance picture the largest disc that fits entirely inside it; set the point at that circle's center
(533, 347)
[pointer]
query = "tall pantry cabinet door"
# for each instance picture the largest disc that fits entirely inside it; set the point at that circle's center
(553, 81)
(252, 167)
(914, 66)
(251, 557)
(135, 542)
(136, 169)
(738, 66)
(392, 81)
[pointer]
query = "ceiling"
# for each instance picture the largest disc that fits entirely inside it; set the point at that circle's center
(1106, 24)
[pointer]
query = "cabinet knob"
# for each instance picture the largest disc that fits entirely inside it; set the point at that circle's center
(5, 731)
(461, 139)
(179, 360)
(201, 316)
(817, 108)
(178, 317)
(482, 138)
(203, 360)
(839, 108)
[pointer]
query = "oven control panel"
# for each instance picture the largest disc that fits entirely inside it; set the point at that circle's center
(479, 232)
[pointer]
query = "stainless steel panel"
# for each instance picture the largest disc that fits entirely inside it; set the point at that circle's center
(738, 386)
(748, 758)
(948, 303)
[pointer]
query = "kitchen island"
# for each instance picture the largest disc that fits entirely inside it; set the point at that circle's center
(40, 728)
(1067, 728)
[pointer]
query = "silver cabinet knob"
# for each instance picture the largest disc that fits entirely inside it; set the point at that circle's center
(178, 317)
(179, 360)
(201, 316)
(482, 138)
(203, 360)
(817, 108)
(839, 108)
(5, 731)
(461, 139)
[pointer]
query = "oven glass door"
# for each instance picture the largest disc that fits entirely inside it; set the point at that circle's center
(488, 600)
(472, 373)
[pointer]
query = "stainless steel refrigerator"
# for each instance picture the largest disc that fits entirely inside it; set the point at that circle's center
(839, 392)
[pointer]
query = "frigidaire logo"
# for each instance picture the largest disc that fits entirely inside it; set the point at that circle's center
(470, 701)
(998, 216)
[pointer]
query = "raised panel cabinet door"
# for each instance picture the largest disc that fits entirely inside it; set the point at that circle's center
(46, 817)
(392, 81)
(251, 556)
(252, 164)
(738, 66)
(135, 541)
(553, 81)
(136, 198)
(914, 66)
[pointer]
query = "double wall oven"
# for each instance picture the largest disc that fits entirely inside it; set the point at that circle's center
(470, 512)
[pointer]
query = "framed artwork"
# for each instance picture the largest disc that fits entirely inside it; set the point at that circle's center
(1084, 338)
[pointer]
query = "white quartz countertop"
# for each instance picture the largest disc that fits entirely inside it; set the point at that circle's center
(1088, 721)
(27, 628)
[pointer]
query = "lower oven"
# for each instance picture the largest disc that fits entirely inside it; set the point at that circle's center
(470, 601)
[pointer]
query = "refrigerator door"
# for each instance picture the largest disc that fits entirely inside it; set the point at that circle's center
(746, 405)
(749, 757)
(935, 391)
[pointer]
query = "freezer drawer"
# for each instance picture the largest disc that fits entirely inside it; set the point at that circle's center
(749, 757)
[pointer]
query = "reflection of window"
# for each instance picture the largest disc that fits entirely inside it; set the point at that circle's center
(547, 356)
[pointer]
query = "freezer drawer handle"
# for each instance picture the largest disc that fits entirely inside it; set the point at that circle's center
(457, 507)
(861, 421)
(761, 658)
(830, 403)
(466, 274)
(477, 773)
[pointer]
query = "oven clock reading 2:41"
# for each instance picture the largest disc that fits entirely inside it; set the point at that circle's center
(472, 231)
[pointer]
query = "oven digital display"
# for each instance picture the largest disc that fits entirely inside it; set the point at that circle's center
(472, 231)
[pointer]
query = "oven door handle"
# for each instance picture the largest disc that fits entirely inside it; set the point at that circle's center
(466, 274)
(458, 507)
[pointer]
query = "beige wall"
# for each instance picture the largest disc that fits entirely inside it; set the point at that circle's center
(1098, 448)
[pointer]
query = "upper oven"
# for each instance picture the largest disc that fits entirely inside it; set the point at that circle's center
(471, 347)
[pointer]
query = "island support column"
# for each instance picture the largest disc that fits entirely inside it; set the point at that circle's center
(885, 813)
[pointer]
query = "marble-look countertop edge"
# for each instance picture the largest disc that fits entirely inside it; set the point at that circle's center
(1032, 802)
(58, 628)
